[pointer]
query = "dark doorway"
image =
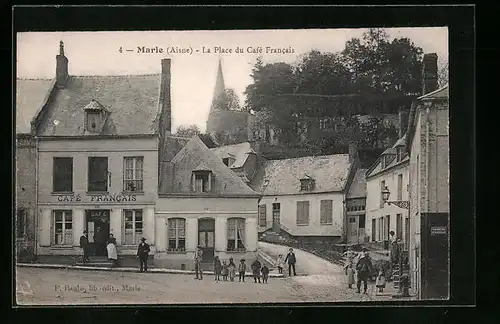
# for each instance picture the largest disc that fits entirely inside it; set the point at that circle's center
(206, 238)
(97, 225)
(276, 217)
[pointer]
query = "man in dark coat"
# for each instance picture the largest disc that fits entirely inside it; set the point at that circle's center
(256, 269)
(364, 268)
(290, 257)
(142, 254)
(100, 241)
(84, 244)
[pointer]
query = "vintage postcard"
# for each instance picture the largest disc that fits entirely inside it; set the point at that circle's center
(248, 166)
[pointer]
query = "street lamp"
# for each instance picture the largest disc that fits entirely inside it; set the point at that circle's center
(405, 204)
(385, 194)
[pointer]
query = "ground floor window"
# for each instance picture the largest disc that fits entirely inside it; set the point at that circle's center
(63, 227)
(236, 234)
(176, 234)
(133, 225)
(21, 223)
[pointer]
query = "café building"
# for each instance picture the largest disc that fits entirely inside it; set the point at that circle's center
(98, 139)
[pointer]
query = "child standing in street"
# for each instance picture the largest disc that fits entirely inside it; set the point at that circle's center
(217, 268)
(265, 273)
(279, 263)
(242, 267)
(350, 275)
(380, 283)
(231, 268)
(225, 270)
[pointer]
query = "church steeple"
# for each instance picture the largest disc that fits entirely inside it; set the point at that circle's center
(219, 85)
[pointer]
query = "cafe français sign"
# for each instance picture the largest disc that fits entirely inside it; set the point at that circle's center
(97, 198)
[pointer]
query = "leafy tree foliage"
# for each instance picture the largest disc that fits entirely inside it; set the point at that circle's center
(187, 131)
(228, 100)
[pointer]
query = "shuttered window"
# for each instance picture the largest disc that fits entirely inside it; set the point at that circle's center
(326, 212)
(63, 174)
(98, 174)
(176, 234)
(133, 225)
(236, 234)
(63, 227)
(302, 212)
(262, 216)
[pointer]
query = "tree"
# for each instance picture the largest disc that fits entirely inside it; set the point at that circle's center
(443, 74)
(228, 100)
(188, 131)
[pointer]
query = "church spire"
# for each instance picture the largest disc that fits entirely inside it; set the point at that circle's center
(219, 84)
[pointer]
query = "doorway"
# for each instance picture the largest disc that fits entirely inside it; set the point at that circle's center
(97, 225)
(206, 238)
(276, 218)
(352, 229)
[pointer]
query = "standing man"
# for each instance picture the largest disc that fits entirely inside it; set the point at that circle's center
(84, 244)
(364, 268)
(198, 254)
(100, 241)
(290, 257)
(142, 254)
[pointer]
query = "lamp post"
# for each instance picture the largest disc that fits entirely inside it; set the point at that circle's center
(403, 287)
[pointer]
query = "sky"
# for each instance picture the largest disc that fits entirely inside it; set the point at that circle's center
(194, 72)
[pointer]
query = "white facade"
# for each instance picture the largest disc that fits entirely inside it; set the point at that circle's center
(315, 227)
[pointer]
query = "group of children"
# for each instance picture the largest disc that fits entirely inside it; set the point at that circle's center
(228, 270)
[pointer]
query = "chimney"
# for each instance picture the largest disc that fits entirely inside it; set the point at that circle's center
(429, 73)
(61, 67)
(353, 151)
(165, 101)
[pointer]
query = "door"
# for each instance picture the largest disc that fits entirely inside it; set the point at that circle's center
(97, 225)
(374, 230)
(352, 229)
(206, 238)
(276, 217)
(399, 226)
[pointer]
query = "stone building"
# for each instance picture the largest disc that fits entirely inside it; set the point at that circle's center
(427, 144)
(98, 139)
(31, 95)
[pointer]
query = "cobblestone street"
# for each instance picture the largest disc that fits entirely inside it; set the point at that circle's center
(70, 287)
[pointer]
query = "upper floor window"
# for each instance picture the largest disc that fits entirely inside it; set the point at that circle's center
(236, 234)
(326, 212)
(133, 174)
(176, 234)
(132, 226)
(202, 181)
(95, 115)
(93, 121)
(262, 216)
(399, 153)
(98, 174)
(306, 184)
(63, 227)
(384, 161)
(382, 186)
(63, 174)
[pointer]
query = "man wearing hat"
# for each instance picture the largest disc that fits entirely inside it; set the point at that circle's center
(364, 268)
(84, 244)
(142, 254)
(198, 255)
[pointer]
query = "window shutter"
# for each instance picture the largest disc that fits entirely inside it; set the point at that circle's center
(45, 228)
(122, 215)
(193, 182)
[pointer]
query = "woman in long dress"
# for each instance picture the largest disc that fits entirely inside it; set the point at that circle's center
(112, 252)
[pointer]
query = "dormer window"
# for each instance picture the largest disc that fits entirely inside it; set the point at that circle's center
(384, 161)
(306, 184)
(399, 153)
(95, 115)
(202, 181)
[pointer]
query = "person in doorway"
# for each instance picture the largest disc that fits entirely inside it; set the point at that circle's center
(112, 252)
(364, 268)
(290, 257)
(100, 240)
(265, 273)
(198, 254)
(242, 267)
(256, 266)
(217, 268)
(111, 238)
(84, 245)
(143, 253)
(279, 263)
(231, 267)
(350, 275)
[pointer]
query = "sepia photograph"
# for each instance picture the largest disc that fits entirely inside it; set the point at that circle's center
(232, 166)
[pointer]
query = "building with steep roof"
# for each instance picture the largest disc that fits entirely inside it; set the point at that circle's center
(98, 141)
(356, 208)
(201, 202)
(390, 171)
(31, 94)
